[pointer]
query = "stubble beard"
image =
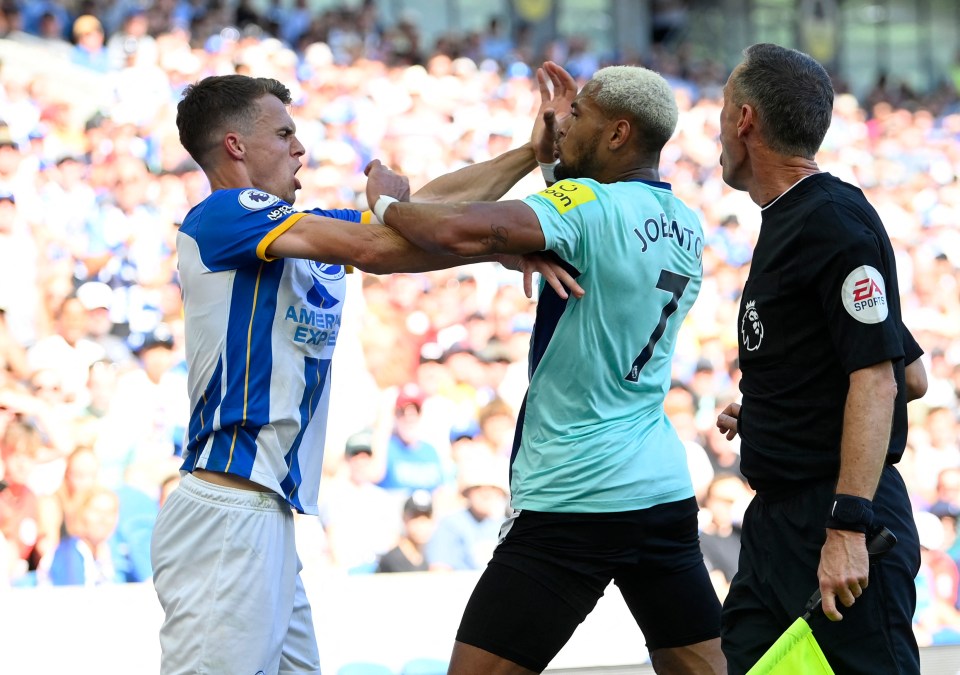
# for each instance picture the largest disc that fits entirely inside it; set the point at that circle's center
(586, 166)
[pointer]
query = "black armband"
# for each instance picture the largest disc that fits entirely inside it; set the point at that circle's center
(851, 513)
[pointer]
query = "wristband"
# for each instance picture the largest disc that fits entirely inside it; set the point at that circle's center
(380, 208)
(547, 170)
(851, 513)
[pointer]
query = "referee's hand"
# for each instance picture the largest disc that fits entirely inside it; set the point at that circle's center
(844, 571)
(728, 421)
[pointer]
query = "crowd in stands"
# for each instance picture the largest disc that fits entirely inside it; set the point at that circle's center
(431, 368)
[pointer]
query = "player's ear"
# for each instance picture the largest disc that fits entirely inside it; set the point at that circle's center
(748, 119)
(620, 133)
(234, 146)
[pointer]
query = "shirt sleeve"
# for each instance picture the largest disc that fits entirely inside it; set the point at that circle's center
(911, 348)
(844, 259)
(237, 226)
(565, 210)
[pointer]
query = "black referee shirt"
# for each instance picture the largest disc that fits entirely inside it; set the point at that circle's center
(820, 302)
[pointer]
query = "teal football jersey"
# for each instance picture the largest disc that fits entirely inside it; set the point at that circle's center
(593, 435)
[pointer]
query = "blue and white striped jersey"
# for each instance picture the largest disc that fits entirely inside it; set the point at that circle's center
(260, 334)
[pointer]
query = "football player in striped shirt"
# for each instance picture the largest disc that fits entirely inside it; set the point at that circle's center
(263, 288)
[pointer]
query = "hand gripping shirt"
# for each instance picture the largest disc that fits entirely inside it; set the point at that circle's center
(260, 334)
(592, 435)
(820, 302)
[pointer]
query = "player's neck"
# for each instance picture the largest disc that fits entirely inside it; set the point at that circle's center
(775, 178)
(647, 173)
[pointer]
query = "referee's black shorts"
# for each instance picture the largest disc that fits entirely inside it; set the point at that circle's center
(779, 556)
(550, 569)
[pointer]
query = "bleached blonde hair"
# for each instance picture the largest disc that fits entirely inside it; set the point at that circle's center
(641, 94)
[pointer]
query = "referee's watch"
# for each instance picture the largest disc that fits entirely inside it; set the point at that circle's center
(851, 513)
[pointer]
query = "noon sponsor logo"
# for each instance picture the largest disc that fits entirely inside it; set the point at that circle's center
(255, 200)
(864, 295)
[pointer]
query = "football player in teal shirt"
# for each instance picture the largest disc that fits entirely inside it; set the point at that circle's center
(599, 481)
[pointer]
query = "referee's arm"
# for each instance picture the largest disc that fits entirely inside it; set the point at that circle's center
(868, 413)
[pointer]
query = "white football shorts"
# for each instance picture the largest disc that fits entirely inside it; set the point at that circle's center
(227, 574)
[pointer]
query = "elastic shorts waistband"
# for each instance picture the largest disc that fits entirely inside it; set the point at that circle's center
(227, 496)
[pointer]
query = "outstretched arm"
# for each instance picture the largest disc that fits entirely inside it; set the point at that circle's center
(483, 182)
(464, 228)
(489, 181)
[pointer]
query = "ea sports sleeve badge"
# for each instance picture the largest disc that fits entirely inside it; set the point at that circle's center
(864, 295)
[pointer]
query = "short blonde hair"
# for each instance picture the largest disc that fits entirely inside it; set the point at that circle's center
(86, 24)
(640, 93)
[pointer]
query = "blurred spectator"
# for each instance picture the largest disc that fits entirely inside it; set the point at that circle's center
(97, 298)
(142, 432)
(13, 357)
(418, 526)
(19, 511)
(132, 38)
(19, 263)
(938, 448)
(168, 485)
(359, 518)
(723, 508)
(89, 51)
(465, 539)
(680, 407)
(55, 511)
(497, 424)
(937, 619)
(495, 44)
(91, 557)
(947, 509)
(410, 463)
(68, 352)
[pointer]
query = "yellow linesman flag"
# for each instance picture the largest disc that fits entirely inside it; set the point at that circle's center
(796, 652)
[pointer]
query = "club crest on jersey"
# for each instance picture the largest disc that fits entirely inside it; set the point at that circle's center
(751, 328)
(254, 200)
(864, 295)
(325, 272)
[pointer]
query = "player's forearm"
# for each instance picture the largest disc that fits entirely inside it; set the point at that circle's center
(867, 419)
(483, 182)
(468, 229)
(388, 252)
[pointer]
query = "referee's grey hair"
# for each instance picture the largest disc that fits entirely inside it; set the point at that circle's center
(791, 93)
(640, 93)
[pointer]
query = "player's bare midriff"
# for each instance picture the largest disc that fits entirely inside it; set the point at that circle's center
(229, 480)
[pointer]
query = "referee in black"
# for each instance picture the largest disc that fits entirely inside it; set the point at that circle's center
(823, 420)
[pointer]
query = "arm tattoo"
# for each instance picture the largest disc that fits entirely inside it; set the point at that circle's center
(497, 240)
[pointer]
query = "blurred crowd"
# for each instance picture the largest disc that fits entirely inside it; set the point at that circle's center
(431, 368)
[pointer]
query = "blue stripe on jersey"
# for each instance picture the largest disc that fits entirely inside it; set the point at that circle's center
(315, 376)
(249, 364)
(201, 418)
(550, 307)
